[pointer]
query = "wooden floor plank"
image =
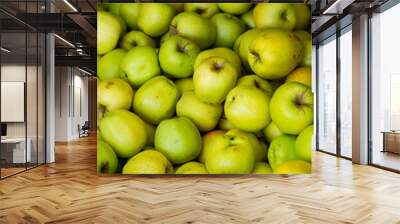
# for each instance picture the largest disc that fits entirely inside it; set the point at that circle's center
(70, 191)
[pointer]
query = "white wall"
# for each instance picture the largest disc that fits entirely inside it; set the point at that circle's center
(71, 94)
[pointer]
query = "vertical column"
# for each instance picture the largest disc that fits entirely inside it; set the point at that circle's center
(360, 90)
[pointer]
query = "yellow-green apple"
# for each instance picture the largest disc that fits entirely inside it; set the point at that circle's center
(136, 38)
(274, 53)
(154, 18)
(107, 161)
(247, 108)
(231, 154)
(303, 15)
(234, 8)
(178, 7)
(114, 94)
(248, 19)
(262, 168)
(177, 55)
(292, 107)
(114, 8)
(207, 10)
(209, 141)
(274, 15)
(213, 79)
(101, 113)
(229, 29)
(124, 131)
(155, 100)
(101, 7)
(166, 36)
(184, 85)
(271, 132)
(129, 12)
(256, 82)
(178, 139)
(123, 25)
(281, 150)
(204, 115)
(304, 143)
(148, 162)
(300, 74)
(194, 27)
(294, 167)
(140, 64)
(224, 124)
(109, 65)
(150, 132)
(226, 53)
(242, 45)
(108, 31)
(305, 39)
(260, 149)
(192, 168)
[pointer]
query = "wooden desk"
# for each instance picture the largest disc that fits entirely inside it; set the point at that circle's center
(391, 141)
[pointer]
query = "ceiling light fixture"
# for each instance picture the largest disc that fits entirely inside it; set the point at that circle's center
(5, 50)
(70, 5)
(64, 40)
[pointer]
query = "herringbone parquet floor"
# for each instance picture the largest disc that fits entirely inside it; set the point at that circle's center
(70, 191)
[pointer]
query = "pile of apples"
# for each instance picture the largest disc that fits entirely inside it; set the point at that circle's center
(204, 88)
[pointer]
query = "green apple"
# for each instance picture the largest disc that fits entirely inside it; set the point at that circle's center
(101, 113)
(207, 10)
(204, 115)
(194, 27)
(109, 65)
(154, 18)
(209, 141)
(129, 12)
(303, 15)
(256, 82)
(136, 38)
(226, 53)
(305, 39)
(124, 131)
(155, 100)
(213, 79)
(123, 25)
(114, 8)
(271, 132)
(292, 107)
(301, 75)
(192, 168)
(177, 55)
(184, 85)
(107, 161)
(166, 36)
(101, 7)
(229, 29)
(294, 167)
(275, 15)
(140, 64)
(234, 8)
(178, 7)
(148, 162)
(262, 168)
(178, 139)
(274, 53)
(247, 108)
(248, 19)
(224, 124)
(260, 149)
(242, 45)
(150, 131)
(231, 154)
(114, 94)
(108, 31)
(281, 150)
(304, 144)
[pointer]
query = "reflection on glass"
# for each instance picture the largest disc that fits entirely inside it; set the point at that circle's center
(346, 93)
(327, 96)
(385, 89)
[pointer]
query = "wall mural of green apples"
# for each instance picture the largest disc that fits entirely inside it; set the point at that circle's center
(204, 88)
